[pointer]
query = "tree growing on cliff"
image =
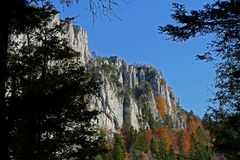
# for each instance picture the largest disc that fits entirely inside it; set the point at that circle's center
(140, 141)
(221, 19)
(163, 149)
(119, 151)
(153, 148)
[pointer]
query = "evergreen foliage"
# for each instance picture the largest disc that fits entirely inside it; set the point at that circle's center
(129, 137)
(153, 148)
(168, 121)
(119, 151)
(51, 119)
(44, 113)
(171, 154)
(140, 143)
(16, 16)
(162, 149)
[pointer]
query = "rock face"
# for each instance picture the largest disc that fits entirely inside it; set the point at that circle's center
(75, 36)
(135, 95)
(129, 94)
(78, 41)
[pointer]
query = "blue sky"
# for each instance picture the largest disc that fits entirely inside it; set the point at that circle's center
(135, 39)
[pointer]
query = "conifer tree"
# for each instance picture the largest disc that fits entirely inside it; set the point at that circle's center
(171, 154)
(153, 148)
(16, 15)
(140, 143)
(163, 149)
(49, 93)
(202, 147)
(19, 16)
(119, 151)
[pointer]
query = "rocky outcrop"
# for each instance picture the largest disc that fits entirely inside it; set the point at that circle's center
(77, 39)
(75, 36)
(128, 93)
(135, 95)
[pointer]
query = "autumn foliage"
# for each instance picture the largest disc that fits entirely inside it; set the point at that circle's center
(186, 141)
(165, 142)
(192, 126)
(163, 133)
(148, 135)
(191, 129)
(179, 139)
(161, 105)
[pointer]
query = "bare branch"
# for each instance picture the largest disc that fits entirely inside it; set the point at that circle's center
(106, 8)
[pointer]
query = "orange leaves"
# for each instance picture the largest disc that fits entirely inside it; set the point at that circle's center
(192, 127)
(163, 133)
(193, 124)
(179, 140)
(148, 135)
(166, 137)
(161, 105)
(175, 140)
(186, 142)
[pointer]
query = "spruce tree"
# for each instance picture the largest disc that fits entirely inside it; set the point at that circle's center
(171, 154)
(153, 148)
(163, 149)
(119, 151)
(16, 15)
(19, 16)
(140, 142)
(49, 92)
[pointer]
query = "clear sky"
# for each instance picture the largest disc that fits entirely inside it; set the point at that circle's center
(135, 39)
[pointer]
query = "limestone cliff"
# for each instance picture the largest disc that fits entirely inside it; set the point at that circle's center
(77, 38)
(129, 94)
(140, 117)
(135, 95)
